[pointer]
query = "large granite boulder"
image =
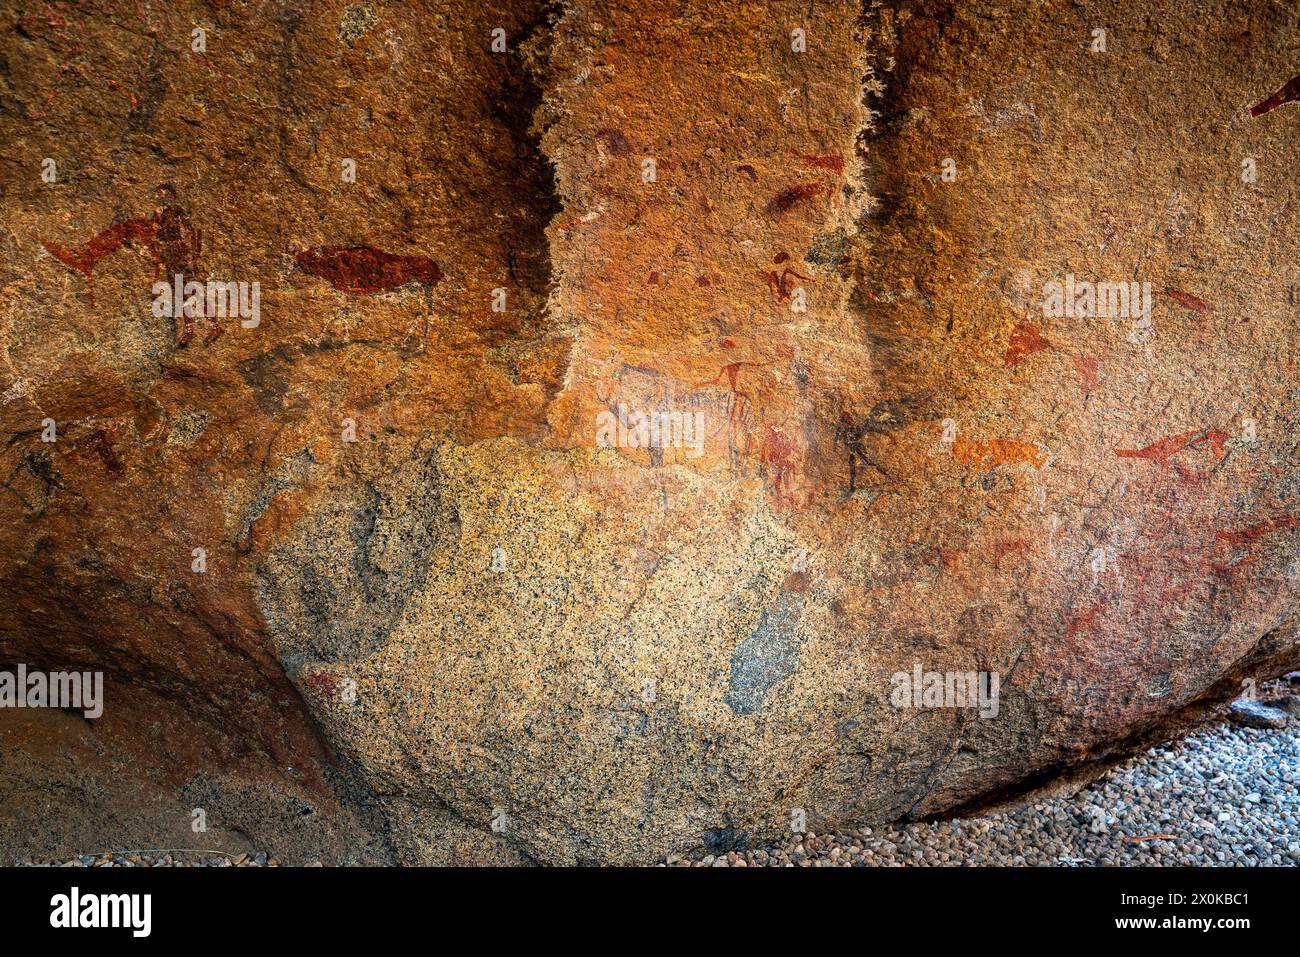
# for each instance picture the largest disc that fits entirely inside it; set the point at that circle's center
(639, 403)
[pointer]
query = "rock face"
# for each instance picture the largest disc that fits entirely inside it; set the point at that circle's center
(966, 334)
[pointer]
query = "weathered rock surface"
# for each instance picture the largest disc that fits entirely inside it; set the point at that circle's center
(476, 620)
(1256, 714)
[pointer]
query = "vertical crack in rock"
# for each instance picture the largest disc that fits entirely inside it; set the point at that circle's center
(388, 526)
(519, 110)
(364, 544)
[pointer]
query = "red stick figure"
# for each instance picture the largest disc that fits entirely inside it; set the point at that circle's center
(741, 399)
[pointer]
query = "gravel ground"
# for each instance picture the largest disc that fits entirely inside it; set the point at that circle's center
(161, 857)
(1224, 796)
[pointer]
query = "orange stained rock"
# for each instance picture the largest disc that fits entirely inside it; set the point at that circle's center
(997, 452)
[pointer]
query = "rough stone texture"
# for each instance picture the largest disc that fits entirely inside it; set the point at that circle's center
(668, 650)
(1254, 714)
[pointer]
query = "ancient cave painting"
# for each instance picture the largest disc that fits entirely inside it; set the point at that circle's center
(1162, 451)
(1026, 339)
(991, 452)
(640, 388)
(1086, 367)
(797, 193)
(366, 270)
(1014, 551)
(777, 453)
(758, 427)
(322, 683)
(793, 195)
(615, 141)
(830, 161)
(1201, 307)
(782, 285)
(850, 433)
(85, 259)
(1253, 533)
(169, 236)
(1290, 93)
(1084, 622)
(1246, 539)
(107, 454)
(949, 559)
(741, 399)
